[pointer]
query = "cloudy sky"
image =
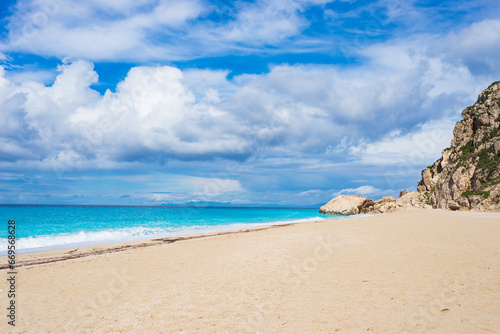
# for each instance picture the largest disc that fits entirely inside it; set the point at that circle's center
(262, 102)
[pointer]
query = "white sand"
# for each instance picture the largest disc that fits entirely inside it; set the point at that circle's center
(418, 271)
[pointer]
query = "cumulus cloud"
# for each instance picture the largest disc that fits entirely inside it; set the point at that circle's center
(153, 116)
(161, 113)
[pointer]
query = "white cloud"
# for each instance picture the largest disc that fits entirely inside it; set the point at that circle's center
(264, 22)
(96, 29)
(161, 197)
(157, 30)
(423, 144)
(364, 191)
(153, 112)
(161, 113)
(302, 115)
(150, 30)
(480, 39)
(41, 76)
(178, 30)
(152, 116)
(312, 192)
(212, 186)
(183, 187)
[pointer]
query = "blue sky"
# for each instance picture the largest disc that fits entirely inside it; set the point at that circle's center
(240, 102)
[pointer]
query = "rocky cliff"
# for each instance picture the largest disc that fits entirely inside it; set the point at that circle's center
(467, 176)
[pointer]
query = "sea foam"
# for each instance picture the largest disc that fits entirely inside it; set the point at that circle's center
(41, 243)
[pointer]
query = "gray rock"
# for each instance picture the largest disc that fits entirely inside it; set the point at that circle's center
(472, 163)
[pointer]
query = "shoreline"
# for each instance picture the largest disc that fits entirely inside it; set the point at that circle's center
(162, 237)
(57, 255)
(86, 234)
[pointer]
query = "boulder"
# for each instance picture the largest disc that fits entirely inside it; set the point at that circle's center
(404, 192)
(413, 200)
(454, 206)
(386, 199)
(384, 206)
(346, 205)
(464, 203)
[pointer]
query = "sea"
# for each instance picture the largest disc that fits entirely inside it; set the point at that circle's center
(44, 228)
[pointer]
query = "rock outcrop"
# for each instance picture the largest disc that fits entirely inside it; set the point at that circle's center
(404, 192)
(467, 176)
(353, 205)
(346, 205)
(406, 201)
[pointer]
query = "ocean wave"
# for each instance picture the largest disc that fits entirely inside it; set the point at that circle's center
(89, 238)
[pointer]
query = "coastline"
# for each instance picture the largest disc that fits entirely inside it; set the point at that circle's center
(101, 225)
(408, 272)
(43, 257)
(69, 253)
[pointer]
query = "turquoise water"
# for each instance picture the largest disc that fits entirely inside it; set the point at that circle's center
(40, 228)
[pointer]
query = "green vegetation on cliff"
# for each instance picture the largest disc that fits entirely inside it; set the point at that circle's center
(467, 176)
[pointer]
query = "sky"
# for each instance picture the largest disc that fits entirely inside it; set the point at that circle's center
(245, 103)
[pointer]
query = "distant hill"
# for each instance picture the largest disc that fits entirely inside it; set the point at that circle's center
(467, 176)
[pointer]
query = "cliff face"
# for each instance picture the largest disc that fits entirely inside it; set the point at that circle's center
(467, 176)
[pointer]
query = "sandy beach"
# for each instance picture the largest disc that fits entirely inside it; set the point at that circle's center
(416, 271)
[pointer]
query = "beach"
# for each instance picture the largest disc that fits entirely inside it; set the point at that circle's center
(413, 271)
